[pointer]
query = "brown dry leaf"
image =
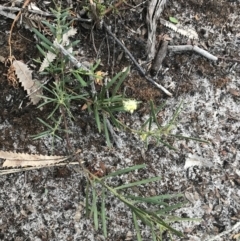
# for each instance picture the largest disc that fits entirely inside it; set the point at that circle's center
(47, 60)
(50, 57)
(11, 77)
(188, 32)
(65, 39)
(2, 59)
(103, 168)
(32, 86)
(234, 92)
(99, 77)
(26, 160)
(84, 107)
(236, 236)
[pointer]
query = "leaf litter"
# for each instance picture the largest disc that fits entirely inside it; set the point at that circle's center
(24, 75)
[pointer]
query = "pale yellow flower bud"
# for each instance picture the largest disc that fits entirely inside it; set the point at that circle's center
(130, 105)
(143, 136)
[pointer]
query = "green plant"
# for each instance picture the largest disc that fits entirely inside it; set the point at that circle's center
(158, 219)
(60, 64)
(61, 95)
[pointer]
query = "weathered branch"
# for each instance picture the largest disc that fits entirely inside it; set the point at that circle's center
(160, 56)
(8, 12)
(141, 70)
(194, 48)
(155, 8)
(115, 137)
(225, 232)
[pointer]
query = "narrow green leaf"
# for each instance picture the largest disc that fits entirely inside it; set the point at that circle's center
(120, 81)
(69, 23)
(94, 67)
(40, 135)
(53, 111)
(126, 170)
(190, 138)
(139, 238)
(150, 123)
(165, 210)
(173, 119)
(146, 219)
(102, 92)
(80, 79)
(154, 238)
(106, 131)
(51, 49)
(158, 220)
(153, 179)
(41, 50)
(74, 43)
(160, 107)
(87, 200)
(97, 118)
(115, 98)
(145, 124)
(177, 219)
(50, 26)
(103, 214)
(155, 199)
(42, 37)
(114, 120)
(152, 200)
(167, 145)
(44, 123)
(113, 80)
(116, 109)
(154, 114)
(94, 208)
(173, 20)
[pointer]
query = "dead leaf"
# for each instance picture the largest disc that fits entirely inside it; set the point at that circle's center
(24, 74)
(234, 92)
(99, 77)
(47, 60)
(2, 59)
(84, 107)
(26, 160)
(236, 236)
(196, 17)
(195, 160)
(65, 39)
(11, 77)
(50, 57)
(185, 31)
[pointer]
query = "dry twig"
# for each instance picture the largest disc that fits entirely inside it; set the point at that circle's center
(116, 5)
(141, 70)
(155, 8)
(161, 54)
(25, 4)
(237, 225)
(194, 48)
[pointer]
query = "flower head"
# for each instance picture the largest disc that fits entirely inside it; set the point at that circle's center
(130, 105)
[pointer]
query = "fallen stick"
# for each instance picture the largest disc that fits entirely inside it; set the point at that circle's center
(181, 48)
(225, 232)
(10, 10)
(116, 138)
(160, 56)
(154, 10)
(141, 70)
(77, 64)
(72, 59)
